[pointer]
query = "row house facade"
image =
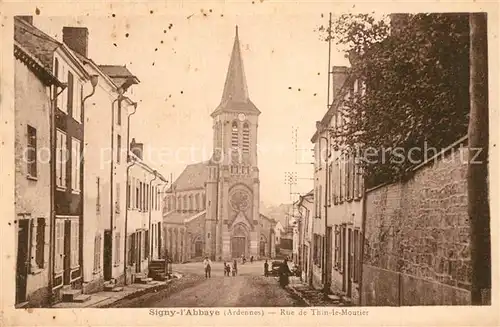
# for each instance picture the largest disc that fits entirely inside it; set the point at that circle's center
(338, 194)
(71, 185)
(305, 214)
(144, 237)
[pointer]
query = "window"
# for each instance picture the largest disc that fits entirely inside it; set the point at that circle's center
(129, 203)
(146, 244)
(56, 74)
(341, 179)
(320, 209)
(117, 203)
(71, 90)
(185, 203)
(246, 138)
(64, 93)
(137, 194)
(356, 256)
(61, 159)
(336, 262)
(59, 246)
(204, 201)
(234, 135)
(198, 202)
(77, 107)
(329, 184)
(98, 197)
(75, 242)
(118, 148)
(75, 164)
(39, 231)
(119, 113)
(31, 157)
(179, 203)
(97, 253)
(208, 235)
(117, 248)
(191, 202)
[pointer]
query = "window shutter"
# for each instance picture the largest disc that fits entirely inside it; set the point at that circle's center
(70, 93)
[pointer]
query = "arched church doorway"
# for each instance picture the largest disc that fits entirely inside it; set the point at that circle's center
(198, 248)
(239, 241)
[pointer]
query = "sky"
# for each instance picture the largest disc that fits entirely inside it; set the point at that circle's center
(181, 55)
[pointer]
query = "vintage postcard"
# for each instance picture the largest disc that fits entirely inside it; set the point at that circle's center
(249, 163)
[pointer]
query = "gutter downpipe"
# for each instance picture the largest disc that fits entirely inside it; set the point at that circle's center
(112, 186)
(362, 254)
(129, 195)
(94, 79)
(150, 251)
(52, 129)
(326, 283)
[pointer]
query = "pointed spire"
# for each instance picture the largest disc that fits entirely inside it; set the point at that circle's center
(235, 88)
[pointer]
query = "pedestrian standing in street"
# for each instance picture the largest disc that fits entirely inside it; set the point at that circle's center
(251, 259)
(225, 268)
(208, 267)
(235, 267)
(228, 269)
(266, 269)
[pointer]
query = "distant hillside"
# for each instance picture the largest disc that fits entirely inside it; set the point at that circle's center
(277, 212)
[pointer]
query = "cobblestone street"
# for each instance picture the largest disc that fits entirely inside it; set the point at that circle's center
(249, 289)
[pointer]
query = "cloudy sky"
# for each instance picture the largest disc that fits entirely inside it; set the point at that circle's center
(181, 54)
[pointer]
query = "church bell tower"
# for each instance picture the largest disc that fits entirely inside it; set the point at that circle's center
(233, 215)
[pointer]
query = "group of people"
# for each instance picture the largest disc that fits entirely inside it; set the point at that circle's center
(232, 270)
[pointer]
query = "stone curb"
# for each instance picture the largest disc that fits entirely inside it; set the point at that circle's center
(105, 304)
(297, 293)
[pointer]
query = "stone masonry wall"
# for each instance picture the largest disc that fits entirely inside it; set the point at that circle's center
(419, 229)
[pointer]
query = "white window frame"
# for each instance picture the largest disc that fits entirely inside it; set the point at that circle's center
(76, 146)
(77, 103)
(64, 94)
(75, 244)
(61, 159)
(59, 247)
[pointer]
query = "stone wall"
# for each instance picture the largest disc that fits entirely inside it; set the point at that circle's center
(419, 229)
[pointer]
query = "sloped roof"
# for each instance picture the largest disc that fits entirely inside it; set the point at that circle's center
(35, 65)
(267, 218)
(235, 95)
(177, 217)
(35, 41)
(194, 176)
(119, 74)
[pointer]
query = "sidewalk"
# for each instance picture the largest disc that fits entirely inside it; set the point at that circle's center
(313, 297)
(107, 299)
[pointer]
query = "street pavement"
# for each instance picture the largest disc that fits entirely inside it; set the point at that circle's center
(248, 289)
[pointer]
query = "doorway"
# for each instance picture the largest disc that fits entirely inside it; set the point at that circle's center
(198, 248)
(107, 254)
(262, 248)
(328, 255)
(67, 252)
(349, 263)
(22, 264)
(238, 246)
(138, 249)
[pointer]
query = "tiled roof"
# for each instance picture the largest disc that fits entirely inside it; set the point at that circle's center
(178, 217)
(120, 75)
(35, 65)
(194, 176)
(35, 41)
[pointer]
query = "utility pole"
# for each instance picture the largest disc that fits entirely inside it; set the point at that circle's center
(477, 174)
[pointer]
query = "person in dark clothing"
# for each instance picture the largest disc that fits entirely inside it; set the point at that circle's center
(284, 272)
(251, 259)
(235, 267)
(266, 269)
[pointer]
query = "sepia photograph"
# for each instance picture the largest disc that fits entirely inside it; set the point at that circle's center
(233, 156)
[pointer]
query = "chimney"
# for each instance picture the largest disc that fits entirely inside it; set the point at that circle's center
(28, 19)
(77, 39)
(136, 148)
(339, 75)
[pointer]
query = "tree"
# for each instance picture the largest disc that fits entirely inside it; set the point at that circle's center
(477, 174)
(416, 72)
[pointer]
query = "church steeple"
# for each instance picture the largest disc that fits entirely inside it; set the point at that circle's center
(235, 95)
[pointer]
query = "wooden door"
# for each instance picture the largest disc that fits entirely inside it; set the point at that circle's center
(238, 246)
(349, 263)
(198, 248)
(22, 264)
(138, 252)
(67, 253)
(107, 255)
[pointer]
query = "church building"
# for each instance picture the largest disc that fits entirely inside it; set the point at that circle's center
(212, 209)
